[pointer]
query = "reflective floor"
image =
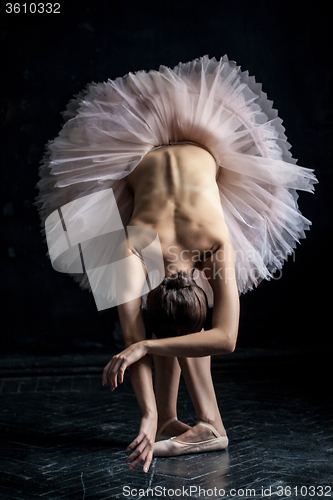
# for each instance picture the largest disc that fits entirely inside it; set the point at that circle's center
(63, 435)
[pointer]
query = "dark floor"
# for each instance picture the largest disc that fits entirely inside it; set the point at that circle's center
(64, 435)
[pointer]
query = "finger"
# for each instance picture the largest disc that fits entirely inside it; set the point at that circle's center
(137, 452)
(139, 448)
(112, 372)
(108, 370)
(121, 372)
(136, 441)
(118, 372)
(148, 460)
(141, 458)
(105, 371)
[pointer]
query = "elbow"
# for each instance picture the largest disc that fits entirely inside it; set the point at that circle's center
(229, 347)
(229, 344)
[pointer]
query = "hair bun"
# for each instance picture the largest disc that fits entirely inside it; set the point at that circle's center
(177, 281)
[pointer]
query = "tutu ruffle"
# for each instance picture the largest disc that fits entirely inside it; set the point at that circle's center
(111, 126)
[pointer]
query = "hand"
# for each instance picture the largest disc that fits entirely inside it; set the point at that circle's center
(144, 443)
(115, 369)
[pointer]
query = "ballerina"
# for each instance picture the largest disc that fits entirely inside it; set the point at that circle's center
(188, 223)
(198, 154)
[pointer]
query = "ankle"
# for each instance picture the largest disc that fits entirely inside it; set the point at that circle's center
(164, 418)
(214, 420)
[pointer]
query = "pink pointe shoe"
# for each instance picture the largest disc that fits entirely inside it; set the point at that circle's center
(160, 436)
(172, 447)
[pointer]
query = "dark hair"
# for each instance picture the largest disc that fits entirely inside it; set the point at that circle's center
(176, 307)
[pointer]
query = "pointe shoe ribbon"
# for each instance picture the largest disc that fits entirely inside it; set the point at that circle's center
(160, 436)
(172, 447)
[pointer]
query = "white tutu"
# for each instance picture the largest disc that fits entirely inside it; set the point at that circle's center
(111, 126)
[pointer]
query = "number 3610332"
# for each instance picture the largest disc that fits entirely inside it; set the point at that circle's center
(32, 8)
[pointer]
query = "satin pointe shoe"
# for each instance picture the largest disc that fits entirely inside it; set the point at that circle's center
(159, 435)
(172, 447)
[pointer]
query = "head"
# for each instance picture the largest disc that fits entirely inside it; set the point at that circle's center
(176, 307)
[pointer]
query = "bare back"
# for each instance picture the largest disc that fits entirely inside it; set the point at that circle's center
(175, 192)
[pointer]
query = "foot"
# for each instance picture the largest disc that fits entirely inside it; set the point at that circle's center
(199, 433)
(175, 428)
(194, 440)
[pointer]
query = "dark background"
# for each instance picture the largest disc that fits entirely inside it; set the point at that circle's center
(49, 57)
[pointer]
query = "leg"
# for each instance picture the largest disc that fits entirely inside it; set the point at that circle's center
(166, 383)
(197, 375)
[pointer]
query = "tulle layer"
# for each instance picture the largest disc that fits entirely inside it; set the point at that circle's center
(111, 126)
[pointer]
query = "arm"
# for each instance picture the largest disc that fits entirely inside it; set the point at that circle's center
(221, 339)
(133, 330)
(141, 377)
